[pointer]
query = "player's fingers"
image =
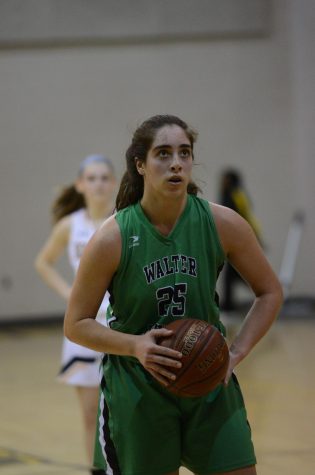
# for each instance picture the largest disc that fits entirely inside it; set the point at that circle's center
(168, 352)
(227, 376)
(164, 360)
(161, 332)
(164, 381)
(162, 373)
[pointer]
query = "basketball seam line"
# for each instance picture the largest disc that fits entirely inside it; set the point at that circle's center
(196, 355)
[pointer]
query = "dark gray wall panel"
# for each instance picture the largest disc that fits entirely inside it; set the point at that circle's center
(49, 22)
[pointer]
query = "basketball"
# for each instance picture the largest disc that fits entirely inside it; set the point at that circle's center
(205, 356)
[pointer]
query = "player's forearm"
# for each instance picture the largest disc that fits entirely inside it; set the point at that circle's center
(88, 332)
(256, 324)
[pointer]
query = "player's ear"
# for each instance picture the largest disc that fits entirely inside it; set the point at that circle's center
(139, 166)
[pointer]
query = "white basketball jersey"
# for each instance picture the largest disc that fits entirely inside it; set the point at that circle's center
(82, 229)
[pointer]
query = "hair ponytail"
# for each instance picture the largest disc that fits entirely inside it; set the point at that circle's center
(67, 201)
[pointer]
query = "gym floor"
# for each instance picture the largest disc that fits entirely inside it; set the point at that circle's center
(41, 430)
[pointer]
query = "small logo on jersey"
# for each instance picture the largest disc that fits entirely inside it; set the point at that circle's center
(134, 241)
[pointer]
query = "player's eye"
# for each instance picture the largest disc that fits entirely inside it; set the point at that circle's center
(163, 153)
(185, 153)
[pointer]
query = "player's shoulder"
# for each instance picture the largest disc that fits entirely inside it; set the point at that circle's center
(223, 215)
(229, 223)
(109, 233)
(105, 245)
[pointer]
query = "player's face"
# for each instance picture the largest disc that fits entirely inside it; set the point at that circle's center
(169, 161)
(96, 182)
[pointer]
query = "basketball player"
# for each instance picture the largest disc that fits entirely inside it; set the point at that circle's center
(159, 256)
(77, 212)
(233, 195)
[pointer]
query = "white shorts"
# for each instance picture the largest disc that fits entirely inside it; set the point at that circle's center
(80, 366)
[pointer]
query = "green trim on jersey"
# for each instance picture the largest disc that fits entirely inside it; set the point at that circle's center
(161, 278)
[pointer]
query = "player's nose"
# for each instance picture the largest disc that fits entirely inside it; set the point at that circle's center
(176, 163)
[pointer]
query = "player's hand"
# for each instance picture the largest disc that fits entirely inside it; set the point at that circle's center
(156, 359)
(234, 360)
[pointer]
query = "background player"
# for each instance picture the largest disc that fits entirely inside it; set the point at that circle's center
(78, 212)
(232, 194)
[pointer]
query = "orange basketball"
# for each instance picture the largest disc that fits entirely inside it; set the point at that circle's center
(205, 356)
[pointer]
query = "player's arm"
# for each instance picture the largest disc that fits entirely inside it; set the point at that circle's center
(98, 264)
(50, 253)
(245, 254)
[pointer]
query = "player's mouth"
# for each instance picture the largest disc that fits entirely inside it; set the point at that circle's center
(175, 180)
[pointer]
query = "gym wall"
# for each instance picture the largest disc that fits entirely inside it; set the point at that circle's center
(79, 80)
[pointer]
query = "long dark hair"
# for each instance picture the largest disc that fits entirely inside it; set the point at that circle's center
(131, 186)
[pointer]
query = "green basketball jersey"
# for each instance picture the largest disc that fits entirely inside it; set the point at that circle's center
(143, 428)
(161, 278)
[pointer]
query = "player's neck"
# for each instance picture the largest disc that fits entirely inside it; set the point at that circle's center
(163, 213)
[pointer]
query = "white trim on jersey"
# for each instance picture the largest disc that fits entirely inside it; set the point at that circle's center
(101, 438)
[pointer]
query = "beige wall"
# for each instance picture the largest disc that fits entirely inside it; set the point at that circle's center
(244, 96)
